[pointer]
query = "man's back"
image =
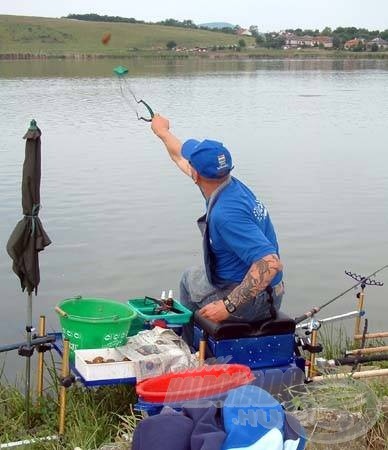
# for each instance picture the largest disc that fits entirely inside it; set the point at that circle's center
(241, 232)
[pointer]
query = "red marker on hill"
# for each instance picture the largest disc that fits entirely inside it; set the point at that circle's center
(106, 38)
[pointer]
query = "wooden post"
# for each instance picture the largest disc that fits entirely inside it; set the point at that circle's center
(62, 390)
(364, 374)
(368, 350)
(202, 348)
(41, 333)
(379, 335)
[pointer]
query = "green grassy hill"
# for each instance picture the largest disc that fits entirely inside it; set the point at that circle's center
(46, 36)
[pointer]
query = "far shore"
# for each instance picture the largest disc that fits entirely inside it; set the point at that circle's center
(239, 55)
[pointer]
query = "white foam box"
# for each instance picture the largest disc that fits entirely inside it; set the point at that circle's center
(103, 371)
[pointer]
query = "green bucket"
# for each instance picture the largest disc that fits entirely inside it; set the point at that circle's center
(94, 322)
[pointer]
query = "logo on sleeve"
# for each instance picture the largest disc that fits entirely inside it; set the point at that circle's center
(260, 211)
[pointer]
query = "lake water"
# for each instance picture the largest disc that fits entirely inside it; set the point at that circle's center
(309, 137)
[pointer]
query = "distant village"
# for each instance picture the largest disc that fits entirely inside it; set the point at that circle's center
(288, 40)
(292, 41)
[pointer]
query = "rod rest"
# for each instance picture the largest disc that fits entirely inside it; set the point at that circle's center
(235, 330)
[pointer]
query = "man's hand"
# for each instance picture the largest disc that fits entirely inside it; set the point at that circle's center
(160, 125)
(215, 311)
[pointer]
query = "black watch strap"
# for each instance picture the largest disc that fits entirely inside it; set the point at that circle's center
(230, 307)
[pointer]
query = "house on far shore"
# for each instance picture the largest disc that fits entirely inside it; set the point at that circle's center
(324, 41)
(353, 43)
(381, 43)
(293, 41)
(243, 32)
(199, 49)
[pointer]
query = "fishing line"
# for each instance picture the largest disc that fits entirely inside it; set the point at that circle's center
(123, 83)
(121, 71)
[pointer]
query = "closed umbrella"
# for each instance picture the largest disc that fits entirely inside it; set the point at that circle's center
(29, 238)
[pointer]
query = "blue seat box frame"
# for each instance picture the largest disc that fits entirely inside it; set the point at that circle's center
(265, 344)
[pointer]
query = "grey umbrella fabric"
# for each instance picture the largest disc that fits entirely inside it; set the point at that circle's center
(29, 238)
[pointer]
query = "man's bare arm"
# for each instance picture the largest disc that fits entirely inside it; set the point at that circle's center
(256, 280)
(161, 127)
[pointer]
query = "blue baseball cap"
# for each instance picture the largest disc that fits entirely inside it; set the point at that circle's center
(209, 158)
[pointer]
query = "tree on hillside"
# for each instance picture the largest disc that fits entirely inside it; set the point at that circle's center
(327, 31)
(274, 40)
(242, 44)
(228, 30)
(254, 29)
(260, 40)
(188, 23)
(384, 35)
(300, 32)
(337, 42)
(176, 23)
(345, 34)
(310, 32)
(171, 44)
(373, 34)
(97, 18)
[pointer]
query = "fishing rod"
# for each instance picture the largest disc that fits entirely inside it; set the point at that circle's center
(316, 309)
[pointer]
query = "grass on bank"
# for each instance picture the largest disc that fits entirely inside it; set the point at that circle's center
(104, 415)
(93, 416)
(335, 341)
(38, 35)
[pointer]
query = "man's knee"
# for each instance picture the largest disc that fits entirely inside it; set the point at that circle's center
(188, 303)
(184, 292)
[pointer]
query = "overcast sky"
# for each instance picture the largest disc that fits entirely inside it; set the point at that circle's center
(268, 15)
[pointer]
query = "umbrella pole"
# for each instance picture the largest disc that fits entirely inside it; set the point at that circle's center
(28, 358)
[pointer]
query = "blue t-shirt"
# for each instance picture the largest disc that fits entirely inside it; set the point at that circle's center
(240, 232)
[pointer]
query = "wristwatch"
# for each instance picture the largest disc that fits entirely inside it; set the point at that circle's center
(229, 305)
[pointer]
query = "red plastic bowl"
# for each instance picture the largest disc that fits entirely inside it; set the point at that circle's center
(204, 381)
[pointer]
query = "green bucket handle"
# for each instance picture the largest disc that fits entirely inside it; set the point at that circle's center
(63, 313)
(115, 317)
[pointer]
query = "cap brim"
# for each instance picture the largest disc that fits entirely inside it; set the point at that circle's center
(188, 148)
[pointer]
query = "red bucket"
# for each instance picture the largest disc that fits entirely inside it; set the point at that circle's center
(204, 381)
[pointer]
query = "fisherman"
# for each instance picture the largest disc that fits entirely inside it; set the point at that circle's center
(241, 279)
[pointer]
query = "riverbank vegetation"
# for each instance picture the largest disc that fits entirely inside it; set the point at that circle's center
(93, 416)
(105, 415)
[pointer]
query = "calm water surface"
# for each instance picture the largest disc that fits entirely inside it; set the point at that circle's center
(309, 137)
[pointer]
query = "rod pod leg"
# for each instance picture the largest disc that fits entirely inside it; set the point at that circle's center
(360, 307)
(314, 341)
(202, 348)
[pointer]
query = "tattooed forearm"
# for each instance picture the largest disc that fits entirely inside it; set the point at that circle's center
(256, 280)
